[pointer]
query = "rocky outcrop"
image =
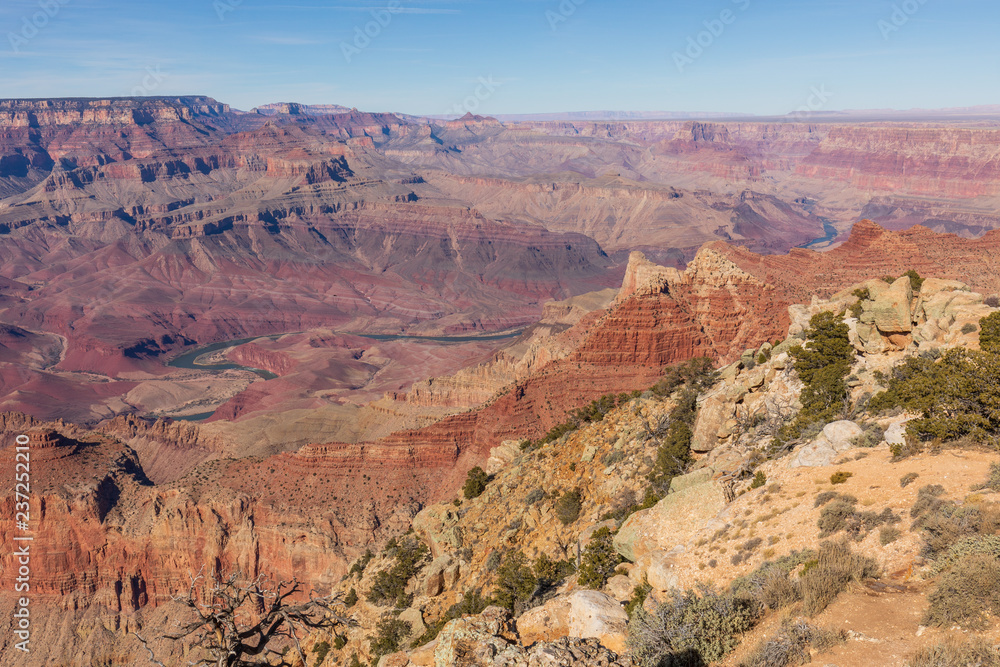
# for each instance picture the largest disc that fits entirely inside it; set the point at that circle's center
(837, 437)
(582, 613)
(489, 640)
(693, 500)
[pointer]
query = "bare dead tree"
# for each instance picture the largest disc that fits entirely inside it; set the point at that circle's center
(238, 621)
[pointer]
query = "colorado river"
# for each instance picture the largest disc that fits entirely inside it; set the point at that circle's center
(189, 360)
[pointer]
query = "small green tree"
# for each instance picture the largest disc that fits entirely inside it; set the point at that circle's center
(515, 581)
(475, 483)
(390, 633)
(599, 560)
(989, 333)
(822, 364)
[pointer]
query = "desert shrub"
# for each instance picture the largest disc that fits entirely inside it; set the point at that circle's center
(966, 593)
(992, 301)
(550, 572)
(888, 535)
(535, 495)
(745, 550)
(969, 327)
(871, 437)
(475, 483)
(840, 477)
(969, 546)
(841, 514)
(943, 523)
(992, 481)
(320, 649)
(759, 480)
(568, 506)
(907, 479)
(957, 653)
(390, 633)
(836, 567)
(351, 598)
(690, 628)
(599, 560)
(515, 581)
(791, 645)
(639, 595)
(389, 586)
(355, 662)
(493, 560)
(957, 394)
(698, 373)
(769, 585)
(825, 497)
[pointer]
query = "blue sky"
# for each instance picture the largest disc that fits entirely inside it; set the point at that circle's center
(511, 56)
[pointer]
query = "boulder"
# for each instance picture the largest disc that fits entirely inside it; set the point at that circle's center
(399, 659)
(477, 640)
(415, 618)
(693, 500)
(891, 309)
(895, 434)
(436, 581)
(835, 438)
(502, 456)
(436, 525)
(660, 572)
(713, 412)
(581, 613)
(424, 655)
(619, 587)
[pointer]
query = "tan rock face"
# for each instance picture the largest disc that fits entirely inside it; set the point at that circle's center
(673, 520)
(582, 613)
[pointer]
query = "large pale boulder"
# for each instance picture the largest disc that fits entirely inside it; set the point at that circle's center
(835, 438)
(660, 572)
(891, 310)
(693, 500)
(437, 526)
(502, 456)
(582, 613)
